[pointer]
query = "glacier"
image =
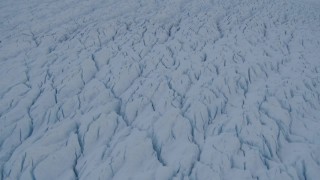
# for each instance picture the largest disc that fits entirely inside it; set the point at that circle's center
(160, 89)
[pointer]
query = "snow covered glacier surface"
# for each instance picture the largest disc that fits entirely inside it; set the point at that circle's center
(163, 89)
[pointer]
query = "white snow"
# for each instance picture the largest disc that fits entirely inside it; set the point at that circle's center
(115, 89)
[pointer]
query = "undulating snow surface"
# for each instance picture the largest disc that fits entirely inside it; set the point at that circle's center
(163, 89)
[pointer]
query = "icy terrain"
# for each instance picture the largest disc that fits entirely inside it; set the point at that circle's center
(163, 89)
